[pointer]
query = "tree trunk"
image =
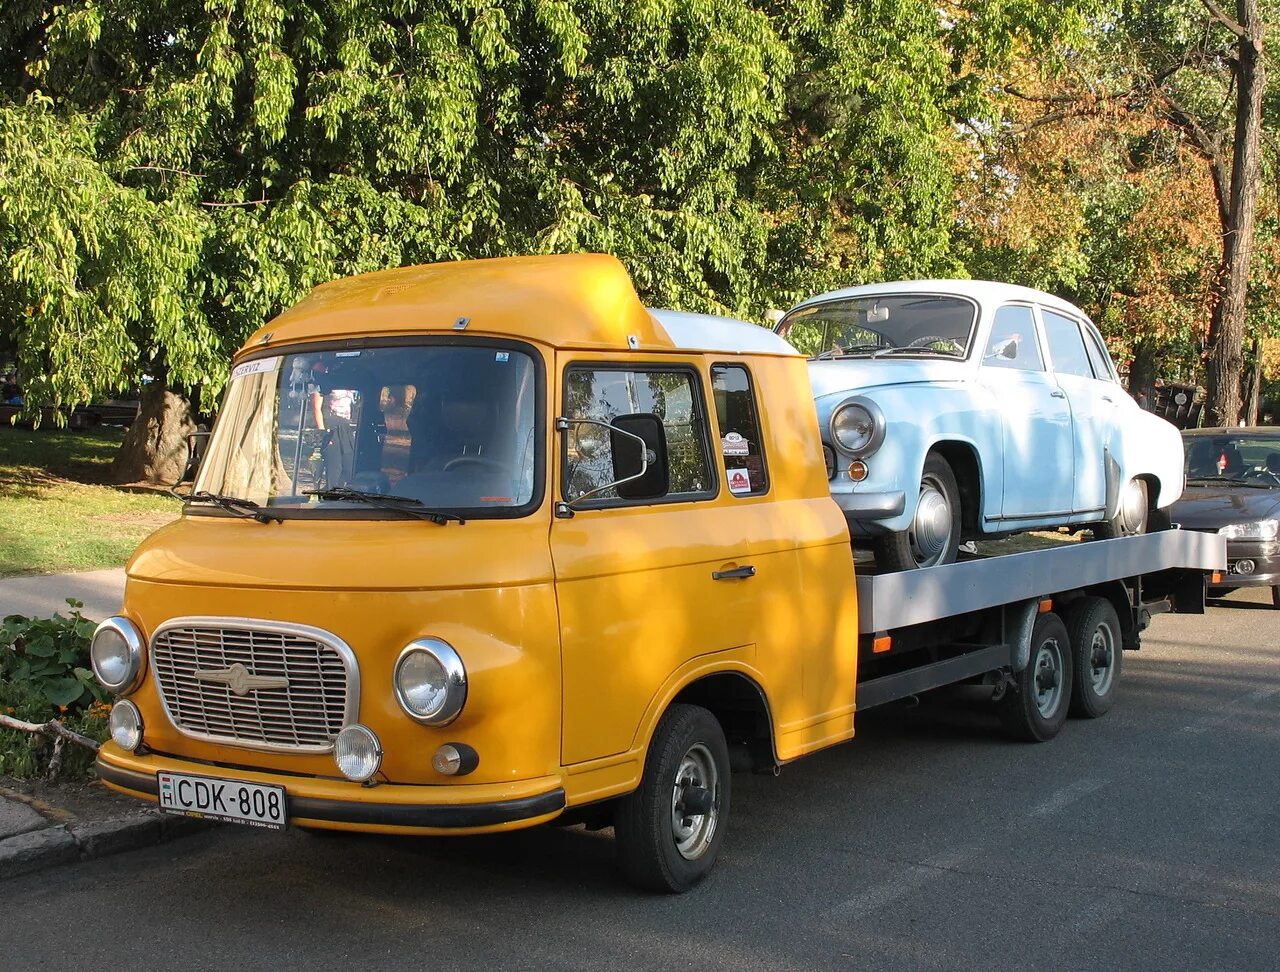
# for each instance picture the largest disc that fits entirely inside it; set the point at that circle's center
(155, 447)
(1255, 385)
(1144, 367)
(1225, 365)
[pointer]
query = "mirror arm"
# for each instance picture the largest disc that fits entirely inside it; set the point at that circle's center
(563, 424)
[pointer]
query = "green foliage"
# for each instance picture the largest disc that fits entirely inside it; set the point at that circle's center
(44, 674)
(173, 173)
(51, 657)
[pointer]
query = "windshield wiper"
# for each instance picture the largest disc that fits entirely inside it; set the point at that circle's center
(385, 501)
(921, 350)
(245, 508)
(849, 351)
(1220, 480)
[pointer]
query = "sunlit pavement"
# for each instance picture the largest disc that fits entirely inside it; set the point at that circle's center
(1147, 839)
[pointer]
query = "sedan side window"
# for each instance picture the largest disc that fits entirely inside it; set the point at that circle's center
(1098, 356)
(1013, 340)
(1066, 346)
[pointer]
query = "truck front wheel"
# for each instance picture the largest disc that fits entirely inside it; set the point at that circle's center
(669, 830)
(1035, 706)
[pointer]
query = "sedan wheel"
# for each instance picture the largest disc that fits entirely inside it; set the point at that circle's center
(1131, 513)
(934, 535)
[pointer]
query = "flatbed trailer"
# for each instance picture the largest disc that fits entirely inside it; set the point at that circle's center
(976, 619)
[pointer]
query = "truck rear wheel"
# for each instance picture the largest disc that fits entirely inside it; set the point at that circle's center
(1035, 706)
(669, 830)
(1094, 629)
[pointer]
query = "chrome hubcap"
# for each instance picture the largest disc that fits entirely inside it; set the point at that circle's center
(1133, 505)
(931, 528)
(1048, 677)
(1102, 654)
(695, 803)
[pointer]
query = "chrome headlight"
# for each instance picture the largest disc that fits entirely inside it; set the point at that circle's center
(116, 654)
(857, 426)
(1251, 530)
(125, 723)
(357, 752)
(431, 682)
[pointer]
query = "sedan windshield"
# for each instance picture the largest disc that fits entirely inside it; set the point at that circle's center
(1230, 456)
(889, 325)
(433, 425)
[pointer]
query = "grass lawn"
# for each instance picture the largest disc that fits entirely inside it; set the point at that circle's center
(55, 513)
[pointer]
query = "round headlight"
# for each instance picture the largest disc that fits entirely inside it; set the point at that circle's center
(116, 655)
(857, 427)
(431, 682)
(125, 723)
(357, 753)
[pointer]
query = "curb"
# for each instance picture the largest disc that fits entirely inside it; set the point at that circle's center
(68, 842)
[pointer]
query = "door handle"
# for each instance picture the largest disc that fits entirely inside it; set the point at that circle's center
(1106, 398)
(1057, 393)
(738, 573)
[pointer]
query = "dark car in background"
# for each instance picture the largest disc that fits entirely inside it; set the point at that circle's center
(1233, 489)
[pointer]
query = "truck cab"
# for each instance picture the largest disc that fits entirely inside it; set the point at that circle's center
(473, 544)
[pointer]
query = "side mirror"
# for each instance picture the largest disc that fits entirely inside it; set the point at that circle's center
(639, 446)
(638, 453)
(1007, 350)
(196, 443)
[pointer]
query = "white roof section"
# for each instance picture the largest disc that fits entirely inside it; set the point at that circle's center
(986, 292)
(720, 335)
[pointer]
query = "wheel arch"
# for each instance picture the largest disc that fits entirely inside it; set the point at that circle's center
(740, 705)
(962, 456)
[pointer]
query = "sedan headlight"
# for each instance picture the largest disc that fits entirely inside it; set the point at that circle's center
(116, 654)
(857, 427)
(431, 682)
(1251, 530)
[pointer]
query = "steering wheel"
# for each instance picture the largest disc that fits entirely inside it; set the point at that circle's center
(931, 339)
(493, 464)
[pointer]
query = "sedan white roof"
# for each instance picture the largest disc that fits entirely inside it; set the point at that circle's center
(985, 292)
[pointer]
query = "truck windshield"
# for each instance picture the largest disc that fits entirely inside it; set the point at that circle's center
(882, 325)
(450, 426)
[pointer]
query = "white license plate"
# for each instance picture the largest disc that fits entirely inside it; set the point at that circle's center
(211, 798)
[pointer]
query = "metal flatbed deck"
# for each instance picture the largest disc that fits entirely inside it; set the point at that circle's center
(890, 601)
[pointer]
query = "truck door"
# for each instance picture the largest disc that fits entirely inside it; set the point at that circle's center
(1035, 419)
(1092, 409)
(643, 586)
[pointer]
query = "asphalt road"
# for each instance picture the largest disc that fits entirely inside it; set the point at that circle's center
(1147, 839)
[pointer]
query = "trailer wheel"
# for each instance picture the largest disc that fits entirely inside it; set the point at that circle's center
(1094, 629)
(669, 830)
(1035, 706)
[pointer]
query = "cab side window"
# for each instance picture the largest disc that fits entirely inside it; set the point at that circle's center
(1066, 346)
(674, 395)
(1013, 341)
(739, 427)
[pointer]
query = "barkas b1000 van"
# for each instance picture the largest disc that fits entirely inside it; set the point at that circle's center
(475, 546)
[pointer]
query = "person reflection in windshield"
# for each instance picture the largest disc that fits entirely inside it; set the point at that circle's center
(333, 410)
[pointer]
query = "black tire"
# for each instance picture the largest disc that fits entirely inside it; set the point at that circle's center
(1131, 524)
(1031, 709)
(1097, 652)
(903, 551)
(689, 746)
(1275, 597)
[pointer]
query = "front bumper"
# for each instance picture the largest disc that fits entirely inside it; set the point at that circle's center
(1265, 555)
(870, 506)
(342, 805)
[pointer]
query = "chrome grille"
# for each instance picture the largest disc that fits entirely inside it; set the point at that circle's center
(319, 700)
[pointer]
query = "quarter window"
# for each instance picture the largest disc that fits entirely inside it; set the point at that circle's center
(1098, 356)
(673, 395)
(739, 427)
(1066, 346)
(1013, 341)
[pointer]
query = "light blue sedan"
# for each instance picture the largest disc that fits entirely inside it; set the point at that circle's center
(958, 409)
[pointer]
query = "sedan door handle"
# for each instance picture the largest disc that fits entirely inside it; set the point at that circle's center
(738, 573)
(1057, 393)
(1107, 398)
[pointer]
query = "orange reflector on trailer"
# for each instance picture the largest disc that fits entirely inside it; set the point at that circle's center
(1216, 578)
(882, 644)
(1046, 605)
